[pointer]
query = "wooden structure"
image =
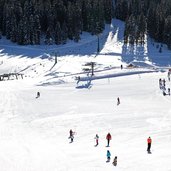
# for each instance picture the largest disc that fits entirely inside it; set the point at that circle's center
(10, 76)
(91, 67)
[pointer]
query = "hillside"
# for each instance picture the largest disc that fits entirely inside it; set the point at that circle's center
(34, 131)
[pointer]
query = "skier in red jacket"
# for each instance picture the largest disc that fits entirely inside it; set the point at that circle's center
(149, 141)
(108, 137)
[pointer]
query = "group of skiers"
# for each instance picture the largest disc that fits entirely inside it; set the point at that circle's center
(108, 138)
(162, 86)
(114, 160)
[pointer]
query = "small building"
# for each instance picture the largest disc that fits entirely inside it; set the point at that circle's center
(10, 76)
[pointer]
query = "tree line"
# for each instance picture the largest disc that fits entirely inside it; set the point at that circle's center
(28, 21)
(145, 17)
(55, 21)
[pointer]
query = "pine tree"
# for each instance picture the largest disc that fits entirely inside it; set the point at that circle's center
(97, 17)
(1, 14)
(60, 11)
(37, 29)
(85, 12)
(131, 29)
(126, 33)
(64, 33)
(151, 22)
(108, 11)
(167, 31)
(20, 33)
(13, 35)
(8, 26)
(58, 34)
(89, 17)
(70, 16)
(142, 28)
(31, 29)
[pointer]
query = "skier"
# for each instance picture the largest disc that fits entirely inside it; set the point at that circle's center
(168, 75)
(164, 83)
(118, 101)
(149, 141)
(108, 156)
(169, 91)
(38, 95)
(160, 83)
(121, 67)
(71, 135)
(115, 161)
(97, 139)
(164, 93)
(72, 138)
(108, 137)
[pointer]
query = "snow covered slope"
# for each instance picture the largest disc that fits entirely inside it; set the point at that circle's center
(34, 131)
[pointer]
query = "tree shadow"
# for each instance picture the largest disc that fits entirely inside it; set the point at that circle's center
(148, 52)
(86, 46)
(161, 59)
(133, 52)
(86, 85)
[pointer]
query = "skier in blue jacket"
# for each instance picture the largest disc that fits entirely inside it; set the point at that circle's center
(108, 156)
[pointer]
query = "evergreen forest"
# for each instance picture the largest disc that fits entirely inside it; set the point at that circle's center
(55, 21)
(27, 21)
(145, 17)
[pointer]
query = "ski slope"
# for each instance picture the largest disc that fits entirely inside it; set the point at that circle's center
(34, 131)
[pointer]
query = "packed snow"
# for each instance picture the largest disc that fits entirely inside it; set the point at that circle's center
(34, 131)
